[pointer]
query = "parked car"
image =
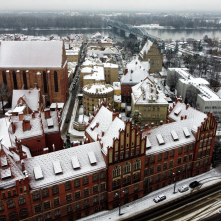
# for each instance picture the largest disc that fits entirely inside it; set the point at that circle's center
(194, 184)
(159, 198)
(183, 188)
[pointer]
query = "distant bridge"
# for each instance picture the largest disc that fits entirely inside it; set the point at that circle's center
(132, 31)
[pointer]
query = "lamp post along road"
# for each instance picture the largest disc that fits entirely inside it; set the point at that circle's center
(175, 181)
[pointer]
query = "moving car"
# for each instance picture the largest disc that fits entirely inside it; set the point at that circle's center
(194, 184)
(183, 189)
(159, 198)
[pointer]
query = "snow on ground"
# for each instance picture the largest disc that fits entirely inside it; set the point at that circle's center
(146, 203)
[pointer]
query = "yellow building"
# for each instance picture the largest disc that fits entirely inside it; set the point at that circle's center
(73, 55)
(94, 94)
(150, 102)
(117, 95)
(151, 53)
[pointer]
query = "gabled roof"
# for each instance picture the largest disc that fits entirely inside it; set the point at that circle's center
(104, 118)
(65, 158)
(31, 54)
(112, 132)
(31, 97)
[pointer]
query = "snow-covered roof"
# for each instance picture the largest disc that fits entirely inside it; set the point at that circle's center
(65, 157)
(102, 114)
(110, 65)
(146, 93)
(112, 132)
(97, 73)
(60, 105)
(117, 85)
(98, 88)
(31, 97)
(11, 171)
(165, 132)
(146, 48)
(31, 54)
(181, 109)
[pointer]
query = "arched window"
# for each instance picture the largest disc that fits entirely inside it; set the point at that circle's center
(25, 80)
(14, 80)
(137, 165)
(21, 200)
(116, 171)
(45, 82)
(11, 203)
(55, 81)
(127, 168)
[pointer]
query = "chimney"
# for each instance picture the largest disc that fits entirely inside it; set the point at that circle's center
(33, 115)
(173, 104)
(187, 106)
(101, 143)
(126, 71)
(102, 133)
(45, 150)
(20, 116)
(185, 117)
(146, 126)
(47, 114)
(161, 122)
(152, 124)
(26, 125)
(53, 147)
(181, 118)
(23, 165)
(167, 121)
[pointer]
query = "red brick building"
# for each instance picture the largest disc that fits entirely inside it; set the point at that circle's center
(117, 164)
(30, 64)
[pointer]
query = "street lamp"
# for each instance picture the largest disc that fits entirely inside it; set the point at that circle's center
(175, 181)
(119, 202)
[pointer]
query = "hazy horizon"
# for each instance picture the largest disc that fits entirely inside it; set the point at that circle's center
(114, 5)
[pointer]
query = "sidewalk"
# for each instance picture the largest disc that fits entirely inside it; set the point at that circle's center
(146, 203)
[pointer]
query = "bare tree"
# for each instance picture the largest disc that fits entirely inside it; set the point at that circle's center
(4, 94)
(191, 96)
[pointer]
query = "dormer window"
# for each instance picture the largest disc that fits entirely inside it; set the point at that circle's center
(50, 123)
(177, 111)
(6, 174)
(92, 158)
(38, 173)
(4, 162)
(75, 162)
(160, 139)
(57, 167)
(174, 135)
(148, 144)
(186, 132)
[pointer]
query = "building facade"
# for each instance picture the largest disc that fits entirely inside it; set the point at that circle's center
(117, 164)
(151, 53)
(30, 64)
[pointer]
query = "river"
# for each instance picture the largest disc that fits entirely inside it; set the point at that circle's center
(175, 34)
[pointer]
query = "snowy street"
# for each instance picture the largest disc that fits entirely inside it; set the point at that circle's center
(146, 203)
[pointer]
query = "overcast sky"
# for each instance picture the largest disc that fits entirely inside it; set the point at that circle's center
(119, 5)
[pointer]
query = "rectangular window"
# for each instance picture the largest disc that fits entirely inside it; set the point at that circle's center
(166, 155)
(180, 150)
(77, 194)
(158, 167)
(37, 208)
(152, 159)
(172, 153)
(160, 157)
(85, 180)
(191, 147)
(152, 170)
(86, 192)
(121, 155)
(184, 158)
(165, 165)
(179, 160)
(185, 149)
(56, 201)
(55, 81)
(47, 204)
(190, 157)
(95, 189)
(116, 157)
(171, 163)
(103, 186)
(77, 183)
(146, 161)
(163, 175)
(69, 197)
